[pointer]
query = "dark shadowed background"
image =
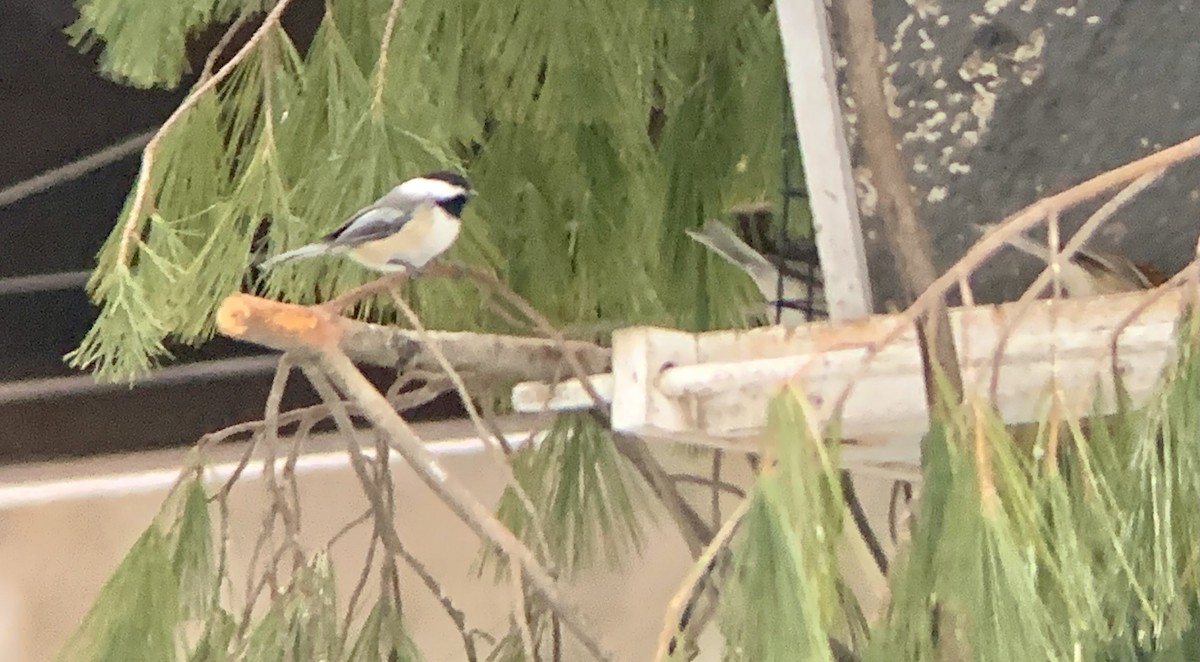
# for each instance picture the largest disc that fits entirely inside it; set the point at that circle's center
(55, 110)
(1006, 101)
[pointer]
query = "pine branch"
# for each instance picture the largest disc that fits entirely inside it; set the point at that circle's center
(207, 84)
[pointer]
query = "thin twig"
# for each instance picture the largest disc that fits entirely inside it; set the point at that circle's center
(902, 490)
(280, 502)
(504, 315)
(521, 613)
(406, 377)
(555, 638)
(289, 467)
(699, 570)
(1188, 273)
(498, 454)
(359, 585)
(1056, 419)
(1093, 223)
(716, 485)
(222, 551)
(253, 591)
(695, 532)
(133, 220)
(227, 38)
(457, 497)
(352, 296)
(487, 409)
(348, 527)
(385, 532)
(1011, 226)
(227, 487)
(220, 436)
(253, 587)
(384, 43)
(307, 416)
(74, 170)
(358, 462)
(1090, 226)
(859, 515)
(457, 615)
(539, 321)
(983, 463)
(383, 483)
(716, 488)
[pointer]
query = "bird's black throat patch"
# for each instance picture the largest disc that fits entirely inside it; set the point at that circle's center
(454, 206)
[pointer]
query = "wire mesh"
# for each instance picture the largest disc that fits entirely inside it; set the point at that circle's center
(795, 256)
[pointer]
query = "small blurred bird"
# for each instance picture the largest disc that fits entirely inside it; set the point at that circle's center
(1089, 272)
(803, 295)
(402, 231)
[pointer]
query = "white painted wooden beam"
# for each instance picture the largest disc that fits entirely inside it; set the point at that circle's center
(712, 388)
(817, 112)
(568, 395)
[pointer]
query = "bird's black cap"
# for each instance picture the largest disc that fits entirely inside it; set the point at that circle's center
(450, 178)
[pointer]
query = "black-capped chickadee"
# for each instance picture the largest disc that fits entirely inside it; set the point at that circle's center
(803, 298)
(402, 231)
(1090, 272)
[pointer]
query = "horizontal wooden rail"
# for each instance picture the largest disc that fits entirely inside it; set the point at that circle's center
(712, 388)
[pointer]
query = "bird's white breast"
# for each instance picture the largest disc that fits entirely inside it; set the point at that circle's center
(428, 234)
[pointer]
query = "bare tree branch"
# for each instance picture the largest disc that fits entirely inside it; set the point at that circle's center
(521, 613)
(286, 326)
(696, 575)
(455, 495)
(279, 501)
(455, 614)
(492, 437)
(359, 585)
(715, 484)
(496, 358)
(907, 238)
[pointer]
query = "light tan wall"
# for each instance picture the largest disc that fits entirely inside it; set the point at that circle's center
(55, 555)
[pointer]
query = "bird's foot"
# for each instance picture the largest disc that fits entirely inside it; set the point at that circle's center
(377, 286)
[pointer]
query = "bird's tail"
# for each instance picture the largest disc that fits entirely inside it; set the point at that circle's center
(311, 250)
(723, 241)
(797, 295)
(1019, 242)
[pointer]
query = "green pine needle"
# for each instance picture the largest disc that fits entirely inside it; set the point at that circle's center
(136, 614)
(588, 500)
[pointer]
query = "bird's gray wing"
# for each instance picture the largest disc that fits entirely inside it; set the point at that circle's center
(369, 224)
